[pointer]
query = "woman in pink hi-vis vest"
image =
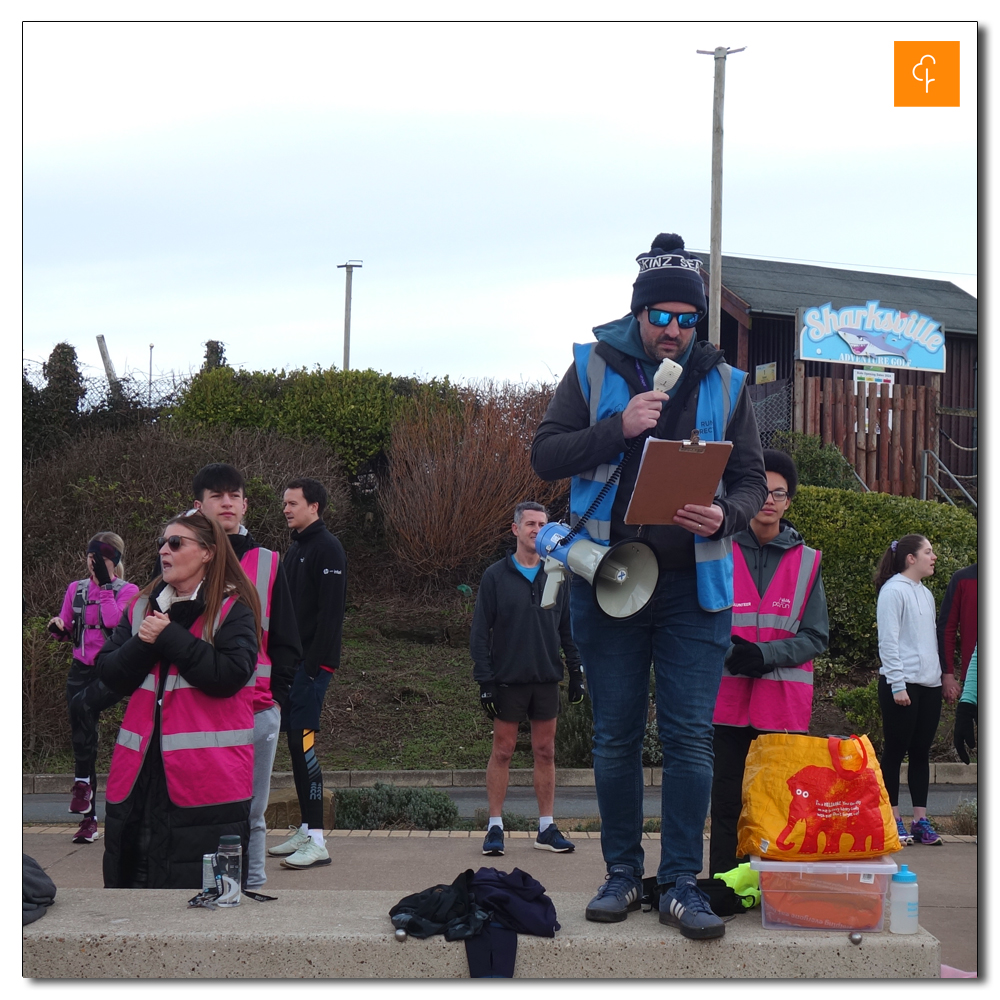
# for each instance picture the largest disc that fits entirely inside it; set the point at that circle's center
(780, 623)
(181, 771)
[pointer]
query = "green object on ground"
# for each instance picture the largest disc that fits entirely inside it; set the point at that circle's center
(745, 882)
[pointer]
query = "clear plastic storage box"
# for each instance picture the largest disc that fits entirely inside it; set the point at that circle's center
(824, 895)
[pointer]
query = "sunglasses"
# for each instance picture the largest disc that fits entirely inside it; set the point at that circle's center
(661, 317)
(174, 541)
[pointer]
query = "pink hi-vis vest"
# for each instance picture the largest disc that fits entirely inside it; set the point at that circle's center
(782, 699)
(206, 742)
(261, 565)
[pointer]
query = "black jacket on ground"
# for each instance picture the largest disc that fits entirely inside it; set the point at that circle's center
(283, 645)
(514, 640)
(565, 445)
(147, 824)
(316, 567)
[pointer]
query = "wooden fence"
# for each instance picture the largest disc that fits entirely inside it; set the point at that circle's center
(882, 437)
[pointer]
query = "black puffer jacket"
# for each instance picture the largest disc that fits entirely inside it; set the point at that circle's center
(565, 444)
(150, 842)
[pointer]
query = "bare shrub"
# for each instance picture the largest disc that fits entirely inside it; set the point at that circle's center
(456, 474)
(131, 481)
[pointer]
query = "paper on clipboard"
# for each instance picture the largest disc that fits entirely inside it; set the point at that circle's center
(674, 473)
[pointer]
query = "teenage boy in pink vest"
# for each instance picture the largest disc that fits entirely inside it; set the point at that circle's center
(220, 493)
(780, 623)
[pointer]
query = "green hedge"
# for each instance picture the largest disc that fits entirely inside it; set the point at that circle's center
(352, 411)
(853, 530)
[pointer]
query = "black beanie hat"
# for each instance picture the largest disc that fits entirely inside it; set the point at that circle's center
(668, 273)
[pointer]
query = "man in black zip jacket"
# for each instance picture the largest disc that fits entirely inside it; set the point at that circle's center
(515, 646)
(316, 567)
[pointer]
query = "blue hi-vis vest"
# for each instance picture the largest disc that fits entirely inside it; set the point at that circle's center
(717, 395)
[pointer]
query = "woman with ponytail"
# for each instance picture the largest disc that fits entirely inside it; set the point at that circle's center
(909, 685)
(182, 768)
(90, 610)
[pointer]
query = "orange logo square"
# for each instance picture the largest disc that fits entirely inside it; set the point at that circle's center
(925, 75)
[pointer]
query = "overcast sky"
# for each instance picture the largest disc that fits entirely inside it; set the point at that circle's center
(192, 181)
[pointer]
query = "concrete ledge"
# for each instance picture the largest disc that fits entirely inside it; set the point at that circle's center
(152, 934)
(943, 773)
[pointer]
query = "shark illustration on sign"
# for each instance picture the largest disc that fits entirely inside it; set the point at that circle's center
(869, 345)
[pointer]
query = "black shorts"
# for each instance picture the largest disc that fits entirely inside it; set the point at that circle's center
(305, 701)
(515, 702)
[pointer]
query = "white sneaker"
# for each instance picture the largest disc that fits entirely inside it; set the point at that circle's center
(311, 855)
(297, 839)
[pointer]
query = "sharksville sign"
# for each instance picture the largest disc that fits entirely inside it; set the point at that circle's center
(870, 335)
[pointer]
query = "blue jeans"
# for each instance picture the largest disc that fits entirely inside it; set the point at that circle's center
(686, 646)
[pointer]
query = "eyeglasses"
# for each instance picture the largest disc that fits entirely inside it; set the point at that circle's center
(778, 495)
(174, 541)
(661, 317)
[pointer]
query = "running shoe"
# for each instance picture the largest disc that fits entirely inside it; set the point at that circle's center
(82, 794)
(904, 834)
(619, 895)
(493, 844)
(685, 906)
(311, 855)
(924, 833)
(550, 839)
(299, 838)
(88, 832)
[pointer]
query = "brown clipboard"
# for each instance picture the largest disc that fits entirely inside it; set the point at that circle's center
(674, 473)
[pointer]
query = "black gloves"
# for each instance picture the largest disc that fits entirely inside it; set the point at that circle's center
(575, 687)
(101, 574)
(966, 714)
(746, 658)
(184, 613)
(486, 697)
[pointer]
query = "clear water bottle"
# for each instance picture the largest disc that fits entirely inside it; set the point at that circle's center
(230, 861)
(903, 910)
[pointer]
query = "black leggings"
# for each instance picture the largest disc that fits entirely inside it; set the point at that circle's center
(307, 775)
(86, 698)
(908, 730)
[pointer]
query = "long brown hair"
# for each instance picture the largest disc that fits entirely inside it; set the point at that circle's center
(893, 560)
(221, 574)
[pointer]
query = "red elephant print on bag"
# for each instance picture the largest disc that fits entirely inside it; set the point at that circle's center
(833, 801)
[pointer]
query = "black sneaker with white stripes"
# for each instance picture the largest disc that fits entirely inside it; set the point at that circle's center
(620, 893)
(685, 906)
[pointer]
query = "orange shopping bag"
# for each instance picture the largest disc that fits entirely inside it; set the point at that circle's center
(811, 799)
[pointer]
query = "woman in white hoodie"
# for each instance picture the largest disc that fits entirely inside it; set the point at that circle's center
(909, 685)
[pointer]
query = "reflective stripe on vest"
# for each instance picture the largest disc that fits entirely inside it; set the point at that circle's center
(718, 392)
(197, 741)
(206, 742)
(781, 700)
(261, 565)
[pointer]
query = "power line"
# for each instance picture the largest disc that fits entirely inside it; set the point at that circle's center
(845, 263)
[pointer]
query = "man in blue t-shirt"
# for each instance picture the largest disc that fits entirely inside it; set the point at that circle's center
(515, 646)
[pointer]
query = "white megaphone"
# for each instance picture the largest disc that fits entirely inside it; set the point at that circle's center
(623, 575)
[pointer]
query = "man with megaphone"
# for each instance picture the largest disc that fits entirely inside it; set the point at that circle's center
(605, 403)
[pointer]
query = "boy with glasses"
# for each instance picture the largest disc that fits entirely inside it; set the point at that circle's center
(220, 493)
(780, 623)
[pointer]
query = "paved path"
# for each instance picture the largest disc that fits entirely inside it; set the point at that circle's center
(407, 862)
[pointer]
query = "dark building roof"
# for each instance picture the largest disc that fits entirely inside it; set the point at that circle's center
(771, 286)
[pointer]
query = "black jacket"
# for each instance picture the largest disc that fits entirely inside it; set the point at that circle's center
(316, 567)
(283, 645)
(514, 640)
(565, 444)
(147, 823)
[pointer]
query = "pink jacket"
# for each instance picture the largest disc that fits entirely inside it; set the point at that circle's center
(104, 607)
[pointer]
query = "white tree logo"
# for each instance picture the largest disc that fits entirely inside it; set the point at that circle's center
(926, 78)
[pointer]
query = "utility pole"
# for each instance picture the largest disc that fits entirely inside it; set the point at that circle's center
(715, 249)
(109, 368)
(150, 400)
(350, 265)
